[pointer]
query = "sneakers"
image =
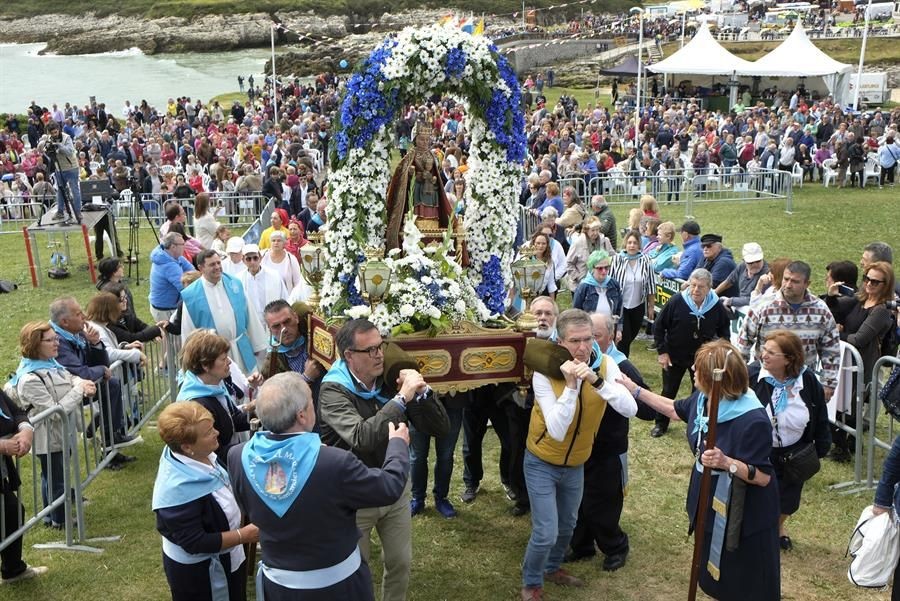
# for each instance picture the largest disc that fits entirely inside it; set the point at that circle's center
(510, 493)
(416, 506)
(563, 578)
(29, 573)
(444, 507)
(469, 494)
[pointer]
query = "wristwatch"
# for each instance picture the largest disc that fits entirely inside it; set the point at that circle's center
(733, 468)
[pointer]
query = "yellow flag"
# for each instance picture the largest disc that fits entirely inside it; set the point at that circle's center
(479, 29)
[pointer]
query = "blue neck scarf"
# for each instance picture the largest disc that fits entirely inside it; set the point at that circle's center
(75, 339)
(340, 374)
(278, 468)
(780, 397)
(590, 280)
(615, 354)
(287, 348)
(27, 366)
(627, 257)
(178, 483)
(708, 303)
(728, 409)
(596, 355)
(192, 387)
(316, 219)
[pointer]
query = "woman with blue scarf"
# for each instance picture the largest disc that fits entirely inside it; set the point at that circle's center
(740, 562)
(42, 382)
(686, 321)
(597, 292)
(207, 380)
(634, 273)
(795, 402)
(196, 512)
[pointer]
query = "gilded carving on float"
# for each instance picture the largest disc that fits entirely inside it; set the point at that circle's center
(323, 342)
(481, 360)
(433, 363)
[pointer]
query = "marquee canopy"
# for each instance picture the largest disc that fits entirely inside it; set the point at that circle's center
(703, 55)
(796, 56)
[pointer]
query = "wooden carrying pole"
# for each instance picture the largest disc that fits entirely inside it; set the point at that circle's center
(705, 482)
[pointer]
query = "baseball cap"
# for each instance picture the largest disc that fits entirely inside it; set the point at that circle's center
(251, 249)
(235, 244)
(691, 227)
(752, 252)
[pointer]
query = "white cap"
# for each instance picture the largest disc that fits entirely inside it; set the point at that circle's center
(752, 252)
(234, 245)
(251, 249)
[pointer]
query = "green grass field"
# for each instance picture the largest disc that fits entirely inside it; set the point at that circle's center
(477, 556)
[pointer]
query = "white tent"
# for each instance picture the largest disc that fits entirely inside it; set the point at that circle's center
(797, 56)
(703, 55)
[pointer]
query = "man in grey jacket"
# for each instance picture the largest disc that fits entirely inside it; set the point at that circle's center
(356, 404)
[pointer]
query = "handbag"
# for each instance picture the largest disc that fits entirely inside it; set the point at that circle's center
(802, 464)
(875, 548)
(890, 393)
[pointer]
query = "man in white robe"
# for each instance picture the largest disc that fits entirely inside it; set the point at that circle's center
(261, 285)
(218, 301)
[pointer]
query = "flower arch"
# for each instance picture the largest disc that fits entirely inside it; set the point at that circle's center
(428, 285)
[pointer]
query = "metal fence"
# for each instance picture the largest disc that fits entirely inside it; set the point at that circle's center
(851, 372)
(874, 409)
(87, 443)
(688, 186)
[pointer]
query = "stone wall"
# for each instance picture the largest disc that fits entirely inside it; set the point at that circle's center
(526, 56)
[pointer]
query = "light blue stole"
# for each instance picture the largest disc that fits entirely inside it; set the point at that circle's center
(278, 469)
(340, 374)
(195, 300)
(27, 366)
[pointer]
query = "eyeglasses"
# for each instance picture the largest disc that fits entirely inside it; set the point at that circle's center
(868, 280)
(123, 299)
(602, 267)
(372, 351)
(252, 258)
(769, 353)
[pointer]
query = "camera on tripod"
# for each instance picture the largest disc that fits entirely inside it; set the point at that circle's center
(50, 147)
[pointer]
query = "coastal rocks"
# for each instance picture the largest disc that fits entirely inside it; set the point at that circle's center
(88, 34)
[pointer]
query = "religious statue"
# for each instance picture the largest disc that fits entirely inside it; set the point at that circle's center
(429, 201)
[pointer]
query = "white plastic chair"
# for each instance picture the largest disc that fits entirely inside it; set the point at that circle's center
(123, 202)
(830, 171)
(167, 170)
(797, 174)
(872, 170)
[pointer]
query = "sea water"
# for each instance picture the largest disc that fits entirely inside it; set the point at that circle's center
(114, 77)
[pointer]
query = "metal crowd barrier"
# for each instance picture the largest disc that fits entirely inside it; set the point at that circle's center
(230, 208)
(145, 389)
(874, 406)
(18, 211)
(691, 187)
(53, 417)
(853, 372)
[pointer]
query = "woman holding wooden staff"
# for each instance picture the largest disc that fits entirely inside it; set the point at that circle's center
(739, 557)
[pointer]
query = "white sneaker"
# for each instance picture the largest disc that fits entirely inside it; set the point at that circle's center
(29, 573)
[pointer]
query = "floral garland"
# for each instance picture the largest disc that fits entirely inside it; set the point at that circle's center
(417, 64)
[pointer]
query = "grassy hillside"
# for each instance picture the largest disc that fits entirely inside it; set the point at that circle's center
(878, 50)
(363, 8)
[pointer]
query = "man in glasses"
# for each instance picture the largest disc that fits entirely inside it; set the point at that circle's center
(743, 278)
(364, 391)
(570, 399)
(261, 285)
(717, 259)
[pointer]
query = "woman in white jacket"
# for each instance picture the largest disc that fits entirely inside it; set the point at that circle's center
(40, 381)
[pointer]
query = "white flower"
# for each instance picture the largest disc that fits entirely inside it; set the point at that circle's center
(358, 311)
(406, 310)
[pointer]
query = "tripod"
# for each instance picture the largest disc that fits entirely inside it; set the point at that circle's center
(134, 232)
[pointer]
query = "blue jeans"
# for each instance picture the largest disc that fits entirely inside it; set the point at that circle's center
(419, 445)
(69, 178)
(555, 494)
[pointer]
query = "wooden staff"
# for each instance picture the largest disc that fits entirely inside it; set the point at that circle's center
(705, 481)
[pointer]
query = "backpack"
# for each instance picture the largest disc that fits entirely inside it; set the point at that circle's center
(890, 393)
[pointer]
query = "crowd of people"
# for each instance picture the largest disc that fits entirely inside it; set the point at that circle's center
(240, 310)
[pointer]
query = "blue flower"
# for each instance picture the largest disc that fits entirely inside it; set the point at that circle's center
(455, 63)
(491, 288)
(504, 114)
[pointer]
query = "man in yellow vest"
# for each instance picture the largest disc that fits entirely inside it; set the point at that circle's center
(573, 383)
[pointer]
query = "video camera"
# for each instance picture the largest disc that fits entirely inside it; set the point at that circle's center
(50, 147)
